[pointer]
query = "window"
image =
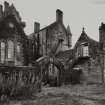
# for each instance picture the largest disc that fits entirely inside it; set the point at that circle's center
(82, 50)
(2, 45)
(10, 50)
(85, 51)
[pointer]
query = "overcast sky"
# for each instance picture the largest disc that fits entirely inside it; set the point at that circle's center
(77, 13)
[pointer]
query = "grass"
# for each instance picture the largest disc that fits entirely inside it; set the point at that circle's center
(62, 96)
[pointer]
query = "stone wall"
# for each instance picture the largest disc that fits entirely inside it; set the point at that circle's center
(91, 71)
(18, 81)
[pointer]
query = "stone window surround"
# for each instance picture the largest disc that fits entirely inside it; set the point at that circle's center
(6, 59)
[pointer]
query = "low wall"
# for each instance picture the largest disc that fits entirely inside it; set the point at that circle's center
(19, 81)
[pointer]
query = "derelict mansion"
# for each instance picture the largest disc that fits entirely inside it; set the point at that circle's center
(19, 49)
(54, 40)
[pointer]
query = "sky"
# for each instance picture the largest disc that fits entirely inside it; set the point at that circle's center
(77, 14)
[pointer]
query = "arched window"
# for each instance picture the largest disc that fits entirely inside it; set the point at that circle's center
(2, 45)
(10, 50)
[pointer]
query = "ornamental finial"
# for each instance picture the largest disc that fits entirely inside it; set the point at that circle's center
(83, 30)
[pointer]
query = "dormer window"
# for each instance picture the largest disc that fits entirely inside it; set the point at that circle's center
(82, 50)
(85, 50)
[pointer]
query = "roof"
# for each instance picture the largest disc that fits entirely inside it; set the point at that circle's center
(50, 26)
(10, 10)
(85, 37)
(93, 44)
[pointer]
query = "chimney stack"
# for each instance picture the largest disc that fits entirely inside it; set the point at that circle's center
(36, 27)
(59, 16)
(1, 11)
(102, 33)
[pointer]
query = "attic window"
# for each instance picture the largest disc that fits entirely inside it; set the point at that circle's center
(82, 50)
(85, 51)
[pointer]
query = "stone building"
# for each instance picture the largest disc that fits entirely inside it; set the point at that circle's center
(15, 73)
(52, 42)
(53, 38)
(55, 41)
(49, 41)
(86, 58)
(12, 37)
(87, 55)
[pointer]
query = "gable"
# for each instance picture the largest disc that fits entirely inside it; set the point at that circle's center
(11, 10)
(56, 31)
(83, 38)
(92, 44)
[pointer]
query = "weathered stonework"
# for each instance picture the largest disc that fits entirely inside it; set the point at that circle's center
(88, 58)
(53, 38)
(15, 76)
(11, 29)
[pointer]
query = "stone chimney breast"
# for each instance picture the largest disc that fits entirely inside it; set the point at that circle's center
(59, 16)
(36, 27)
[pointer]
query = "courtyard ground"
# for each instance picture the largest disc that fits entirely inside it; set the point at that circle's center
(67, 95)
